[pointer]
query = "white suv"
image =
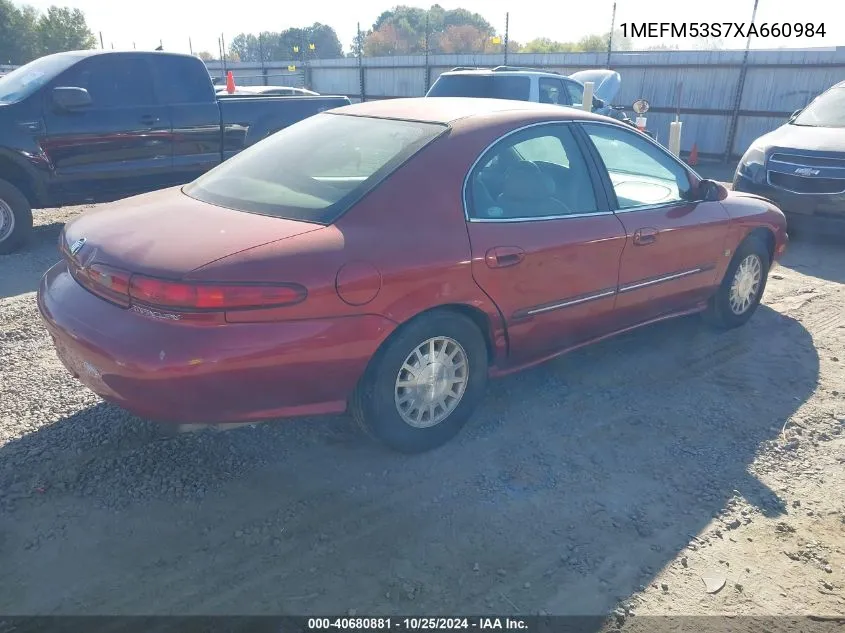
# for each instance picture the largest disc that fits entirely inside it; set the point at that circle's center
(531, 84)
(509, 82)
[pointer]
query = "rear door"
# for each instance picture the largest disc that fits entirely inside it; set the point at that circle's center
(545, 246)
(192, 106)
(118, 145)
(674, 243)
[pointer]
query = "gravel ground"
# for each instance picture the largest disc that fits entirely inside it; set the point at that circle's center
(673, 470)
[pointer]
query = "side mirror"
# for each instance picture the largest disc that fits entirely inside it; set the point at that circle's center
(71, 98)
(710, 191)
(795, 114)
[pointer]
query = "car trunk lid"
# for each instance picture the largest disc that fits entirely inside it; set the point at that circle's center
(168, 234)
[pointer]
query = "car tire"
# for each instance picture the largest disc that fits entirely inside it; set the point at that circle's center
(742, 287)
(15, 218)
(386, 409)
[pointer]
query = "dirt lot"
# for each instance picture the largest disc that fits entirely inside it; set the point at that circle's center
(629, 476)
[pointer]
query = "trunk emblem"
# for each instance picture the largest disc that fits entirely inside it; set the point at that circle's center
(77, 246)
(807, 171)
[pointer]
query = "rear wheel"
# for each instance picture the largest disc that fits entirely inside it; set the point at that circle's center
(423, 386)
(15, 218)
(742, 288)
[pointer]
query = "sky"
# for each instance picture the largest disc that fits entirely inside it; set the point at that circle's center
(143, 24)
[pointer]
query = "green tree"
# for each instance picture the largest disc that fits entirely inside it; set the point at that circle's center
(275, 46)
(63, 29)
(402, 30)
(547, 45)
(18, 42)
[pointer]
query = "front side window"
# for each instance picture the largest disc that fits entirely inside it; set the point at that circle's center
(826, 110)
(315, 169)
(536, 173)
(641, 173)
(113, 81)
(575, 91)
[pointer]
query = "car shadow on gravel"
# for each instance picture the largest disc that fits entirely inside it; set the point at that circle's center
(21, 271)
(575, 483)
(817, 256)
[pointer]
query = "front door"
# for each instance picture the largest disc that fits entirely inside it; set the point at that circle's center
(545, 246)
(120, 144)
(674, 244)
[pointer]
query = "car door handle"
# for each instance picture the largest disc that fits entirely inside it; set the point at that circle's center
(504, 256)
(645, 236)
(149, 119)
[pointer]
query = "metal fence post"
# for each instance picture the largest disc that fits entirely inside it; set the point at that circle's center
(361, 63)
(427, 68)
(740, 87)
(507, 24)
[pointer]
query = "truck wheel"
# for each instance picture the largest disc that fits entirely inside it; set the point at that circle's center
(15, 218)
(423, 386)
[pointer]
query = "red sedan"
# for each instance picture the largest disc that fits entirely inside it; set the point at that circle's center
(387, 258)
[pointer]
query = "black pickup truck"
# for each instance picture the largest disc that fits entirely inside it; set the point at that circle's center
(94, 126)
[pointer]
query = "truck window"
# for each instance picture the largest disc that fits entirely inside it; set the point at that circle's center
(113, 81)
(490, 86)
(183, 79)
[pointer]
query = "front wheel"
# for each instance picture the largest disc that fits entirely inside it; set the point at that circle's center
(423, 386)
(742, 288)
(15, 218)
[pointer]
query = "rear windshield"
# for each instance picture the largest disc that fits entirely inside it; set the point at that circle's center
(826, 110)
(315, 169)
(485, 86)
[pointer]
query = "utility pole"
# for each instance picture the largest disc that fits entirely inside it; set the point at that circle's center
(743, 71)
(507, 20)
(610, 35)
(101, 40)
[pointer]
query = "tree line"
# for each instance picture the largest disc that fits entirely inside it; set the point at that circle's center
(26, 33)
(403, 30)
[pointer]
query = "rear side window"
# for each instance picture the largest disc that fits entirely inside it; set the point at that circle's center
(315, 169)
(183, 79)
(535, 173)
(482, 86)
(113, 81)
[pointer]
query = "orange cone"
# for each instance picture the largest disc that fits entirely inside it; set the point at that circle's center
(230, 82)
(693, 156)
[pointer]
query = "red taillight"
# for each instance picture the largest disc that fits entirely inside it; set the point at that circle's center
(177, 295)
(111, 279)
(105, 281)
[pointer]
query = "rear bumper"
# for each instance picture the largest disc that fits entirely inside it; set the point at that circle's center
(816, 212)
(177, 372)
